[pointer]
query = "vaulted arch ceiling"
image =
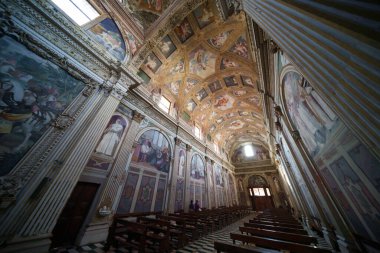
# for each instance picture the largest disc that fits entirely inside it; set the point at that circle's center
(206, 68)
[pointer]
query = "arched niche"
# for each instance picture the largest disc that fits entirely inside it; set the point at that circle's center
(153, 151)
(257, 181)
(197, 167)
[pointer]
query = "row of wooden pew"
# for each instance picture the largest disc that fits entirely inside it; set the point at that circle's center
(163, 232)
(273, 230)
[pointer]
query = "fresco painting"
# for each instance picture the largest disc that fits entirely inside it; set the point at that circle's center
(219, 40)
(174, 86)
(166, 46)
(178, 68)
(33, 92)
(202, 62)
(202, 94)
(255, 99)
(236, 124)
(191, 105)
(152, 62)
(309, 114)
(212, 128)
(224, 102)
(230, 115)
(364, 202)
(218, 175)
(240, 47)
(368, 164)
(112, 135)
(220, 120)
(230, 81)
(153, 151)
(260, 153)
(226, 63)
(239, 93)
(127, 194)
(204, 16)
(247, 81)
(184, 30)
(190, 83)
(343, 202)
(179, 194)
(133, 43)
(154, 6)
(108, 35)
(160, 195)
(181, 163)
(145, 195)
(215, 86)
(197, 167)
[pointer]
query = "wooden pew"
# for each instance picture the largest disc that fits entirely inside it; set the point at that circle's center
(303, 239)
(281, 224)
(289, 221)
(183, 225)
(233, 248)
(276, 228)
(277, 244)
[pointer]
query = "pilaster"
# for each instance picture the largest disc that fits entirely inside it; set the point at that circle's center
(187, 177)
(174, 176)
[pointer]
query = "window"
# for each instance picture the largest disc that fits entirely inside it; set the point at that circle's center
(216, 148)
(80, 11)
(259, 191)
(164, 104)
(197, 132)
(268, 192)
(248, 150)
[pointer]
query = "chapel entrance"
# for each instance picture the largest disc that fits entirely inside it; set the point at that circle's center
(73, 214)
(260, 194)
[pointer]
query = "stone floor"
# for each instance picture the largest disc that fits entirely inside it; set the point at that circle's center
(203, 245)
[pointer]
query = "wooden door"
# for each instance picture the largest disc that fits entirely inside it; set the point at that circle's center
(73, 214)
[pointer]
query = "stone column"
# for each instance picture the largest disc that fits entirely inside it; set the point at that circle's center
(187, 178)
(97, 230)
(207, 186)
(174, 175)
(213, 178)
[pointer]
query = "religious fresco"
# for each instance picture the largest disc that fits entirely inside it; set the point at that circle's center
(218, 175)
(244, 113)
(184, 30)
(226, 63)
(240, 47)
(202, 94)
(361, 197)
(239, 93)
(179, 194)
(256, 181)
(155, 6)
(230, 115)
(190, 83)
(212, 128)
(220, 120)
(219, 40)
(247, 81)
(202, 62)
(191, 105)
(309, 114)
(160, 195)
(224, 102)
(145, 194)
(204, 16)
(181, 163)
(178, 68)
(112, 135)
(174, 86)
(215, 86)
(34, 92)
(166, 46)
(254, 100)
(197, 167)
(152, 62)
(108, 35)
(153, 151)
(133, 43)
(230, 81)
(260, 153)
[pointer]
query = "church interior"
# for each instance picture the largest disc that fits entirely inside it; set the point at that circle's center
(194, 115)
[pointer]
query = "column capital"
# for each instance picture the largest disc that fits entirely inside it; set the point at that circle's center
(178, 141)
(207, 159)
(136, 116)
(296, 135)
(188, 147)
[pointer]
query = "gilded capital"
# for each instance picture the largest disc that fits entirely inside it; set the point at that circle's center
(138, 117)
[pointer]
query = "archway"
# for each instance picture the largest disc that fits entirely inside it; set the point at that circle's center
(260, 193)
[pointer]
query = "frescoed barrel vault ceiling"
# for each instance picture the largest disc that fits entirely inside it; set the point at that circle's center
(206, 69)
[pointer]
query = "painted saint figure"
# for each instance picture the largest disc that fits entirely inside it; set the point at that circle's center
(111, 138)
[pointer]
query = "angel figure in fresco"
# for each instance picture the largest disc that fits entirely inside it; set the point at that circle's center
(206, 16)
(111, 138)
(151, 63)
(184, 30)
(241, 48)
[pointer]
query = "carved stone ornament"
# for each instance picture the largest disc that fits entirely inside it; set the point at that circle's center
(296, 135)
(278, 126)
(9, 187)
(178, 141)
(63, 121)
(278, 111)
(274, 47)
(91, 85)
(138, 117)
(188, 147)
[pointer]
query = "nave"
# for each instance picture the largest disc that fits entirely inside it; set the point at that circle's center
(208, 243)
